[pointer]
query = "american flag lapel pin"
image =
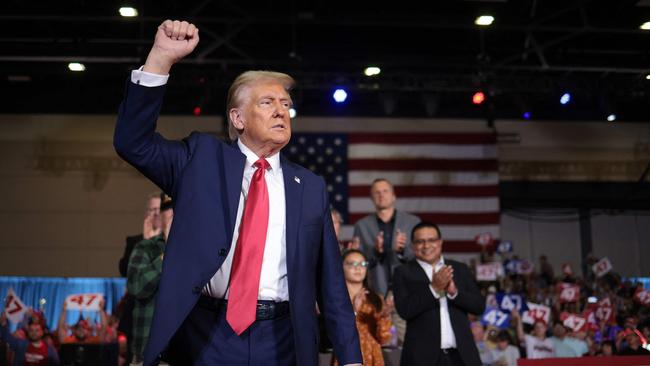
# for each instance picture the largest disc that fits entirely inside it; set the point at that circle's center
(296, 179)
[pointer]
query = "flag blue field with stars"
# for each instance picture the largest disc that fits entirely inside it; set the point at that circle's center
(325, 154)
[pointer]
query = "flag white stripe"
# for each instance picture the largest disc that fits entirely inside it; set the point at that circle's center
(426, 151)
(430, 205)
(405, 178)
(449, 232)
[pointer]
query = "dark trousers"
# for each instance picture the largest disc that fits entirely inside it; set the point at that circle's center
(450, 358)
(205, 338)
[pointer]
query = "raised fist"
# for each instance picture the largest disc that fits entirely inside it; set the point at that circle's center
(174, 40)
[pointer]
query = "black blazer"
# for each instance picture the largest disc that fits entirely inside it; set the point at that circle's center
(421, 310)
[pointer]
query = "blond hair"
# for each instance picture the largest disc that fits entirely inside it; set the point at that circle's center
(245, 80)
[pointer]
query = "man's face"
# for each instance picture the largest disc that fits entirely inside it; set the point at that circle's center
(559, 331)
(80, 332)
(34, 332)
(382, 195)
(264, 117)
(427, 245)
(153, 206)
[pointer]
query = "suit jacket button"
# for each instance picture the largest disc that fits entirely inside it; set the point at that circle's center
(196, 289)
(223, 252)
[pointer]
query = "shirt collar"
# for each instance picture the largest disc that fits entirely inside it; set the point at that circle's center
(426, 265)
(251, 158)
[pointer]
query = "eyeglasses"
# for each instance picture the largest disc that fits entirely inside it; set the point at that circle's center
(355, 264)
(431, 241)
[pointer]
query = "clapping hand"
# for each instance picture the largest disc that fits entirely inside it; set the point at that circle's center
(400, 241)
(379, 242)
(441, 279)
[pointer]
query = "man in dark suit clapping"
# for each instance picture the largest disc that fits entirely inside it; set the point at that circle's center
(434, 295)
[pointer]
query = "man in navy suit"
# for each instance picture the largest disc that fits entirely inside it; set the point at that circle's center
(195, 321)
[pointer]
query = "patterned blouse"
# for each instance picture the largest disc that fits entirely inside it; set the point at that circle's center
(374, 330)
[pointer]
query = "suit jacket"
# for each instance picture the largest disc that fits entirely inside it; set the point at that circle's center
(421, 310)
(204, 177)
(366, 229)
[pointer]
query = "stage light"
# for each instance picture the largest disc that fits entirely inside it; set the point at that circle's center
(611, 117)
(647, 77)
(292, 112)
(340, 95)
(645, 26)
(128, 12)
(565, 98)
(76, 66)
(527, 115)
(372, 71)
(197, 111)
(478, 98)
(484, 20)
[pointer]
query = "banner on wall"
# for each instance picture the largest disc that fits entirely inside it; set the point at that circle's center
(14, 307)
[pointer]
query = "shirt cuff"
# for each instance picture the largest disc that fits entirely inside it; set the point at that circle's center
(452, 297)
(435, 293)
(148, 79)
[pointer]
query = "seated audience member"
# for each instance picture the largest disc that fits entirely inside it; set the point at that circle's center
(561, 343)
(372, 316)
(536, 343)
(82, 331)
(32, 351)
(607, 349)
(578, 343)
(484, 352)
(633, 340)
(505, 354)
(143, 275)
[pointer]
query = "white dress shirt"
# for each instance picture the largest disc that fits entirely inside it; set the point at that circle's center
(273, 278)
(447, 336)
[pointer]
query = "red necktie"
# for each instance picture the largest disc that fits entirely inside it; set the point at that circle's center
(247, 262)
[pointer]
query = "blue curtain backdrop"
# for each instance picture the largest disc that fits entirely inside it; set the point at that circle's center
(55, 289)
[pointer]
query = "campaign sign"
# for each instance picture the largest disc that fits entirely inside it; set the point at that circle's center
(14, 307)
(509, 302)
(602, 267)
(567, 292)
(519, 267)
(496, 318)
(84, 301)
(536, 312)
(573, 321)
(489, 271)
(504, 247)
(605, 311)
(642, 296)
(483, 239)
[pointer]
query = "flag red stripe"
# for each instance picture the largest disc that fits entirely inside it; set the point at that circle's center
(431, 191)
(422, 138)
(483, 165)
(447, 218)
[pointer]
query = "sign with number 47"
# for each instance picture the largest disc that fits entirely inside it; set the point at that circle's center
(84, 301)
(496, 317)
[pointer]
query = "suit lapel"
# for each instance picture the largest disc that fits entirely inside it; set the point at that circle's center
(234, 162)
(293, 197)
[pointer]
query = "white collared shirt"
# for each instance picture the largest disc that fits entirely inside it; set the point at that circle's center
(273, 278)
(447, 336)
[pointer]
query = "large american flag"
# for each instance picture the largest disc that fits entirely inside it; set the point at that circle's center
(447, 178)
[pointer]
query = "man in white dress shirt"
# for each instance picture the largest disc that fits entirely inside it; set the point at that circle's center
(434, 295)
